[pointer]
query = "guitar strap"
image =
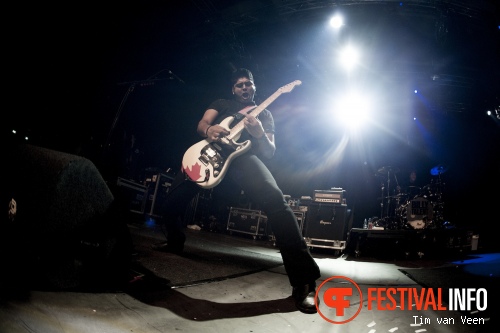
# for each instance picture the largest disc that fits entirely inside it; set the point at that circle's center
(241, 114)
(247, 109)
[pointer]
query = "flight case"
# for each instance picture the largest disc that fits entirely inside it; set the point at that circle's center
(247, 221)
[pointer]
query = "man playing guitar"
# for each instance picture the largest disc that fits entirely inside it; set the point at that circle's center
(249, 172)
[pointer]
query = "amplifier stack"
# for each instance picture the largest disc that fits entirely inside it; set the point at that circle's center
(335, 196)
(327, 220)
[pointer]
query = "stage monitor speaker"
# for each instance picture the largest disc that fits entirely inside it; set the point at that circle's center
(326, 221)
(67, 212)
(58, 191)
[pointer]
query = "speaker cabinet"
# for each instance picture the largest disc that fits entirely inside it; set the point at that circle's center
(326, 221)
(134, 194)
(157, 193)
(69, 226)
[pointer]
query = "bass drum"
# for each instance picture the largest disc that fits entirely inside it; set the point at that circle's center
(416, 213)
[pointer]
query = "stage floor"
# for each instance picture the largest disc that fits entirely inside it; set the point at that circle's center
(234, 283)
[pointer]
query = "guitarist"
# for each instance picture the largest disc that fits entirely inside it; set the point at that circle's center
(251, 174)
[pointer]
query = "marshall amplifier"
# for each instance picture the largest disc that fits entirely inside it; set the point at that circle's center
(335, 195)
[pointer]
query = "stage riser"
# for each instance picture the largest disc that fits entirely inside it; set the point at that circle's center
(405, 243)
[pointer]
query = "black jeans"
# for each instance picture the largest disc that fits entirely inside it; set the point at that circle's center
(251, 174)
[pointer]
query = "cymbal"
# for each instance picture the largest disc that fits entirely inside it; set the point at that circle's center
(387, 169)
(438, 169)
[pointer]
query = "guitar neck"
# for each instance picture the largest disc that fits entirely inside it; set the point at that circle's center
(238, 128)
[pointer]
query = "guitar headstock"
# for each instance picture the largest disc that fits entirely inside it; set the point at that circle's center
(289, 87)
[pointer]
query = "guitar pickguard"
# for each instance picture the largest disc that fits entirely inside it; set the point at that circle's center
(214, 156)
(207, 162)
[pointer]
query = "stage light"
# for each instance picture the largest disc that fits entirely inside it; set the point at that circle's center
(349, 57)
(336, 22)
(353, 110)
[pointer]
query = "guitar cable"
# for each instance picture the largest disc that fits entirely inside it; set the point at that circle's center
(207, 177)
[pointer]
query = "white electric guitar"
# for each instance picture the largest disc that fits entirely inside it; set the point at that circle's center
(206, 162)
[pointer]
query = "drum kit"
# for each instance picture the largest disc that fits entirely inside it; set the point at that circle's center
(413, 208)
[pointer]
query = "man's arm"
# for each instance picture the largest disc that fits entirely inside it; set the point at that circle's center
(267, 146)
(206, 128)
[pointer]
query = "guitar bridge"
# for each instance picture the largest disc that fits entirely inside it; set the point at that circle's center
(204, 160)
(211, 155)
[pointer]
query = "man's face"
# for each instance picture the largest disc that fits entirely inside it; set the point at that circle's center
(413, 176)
(244, 90)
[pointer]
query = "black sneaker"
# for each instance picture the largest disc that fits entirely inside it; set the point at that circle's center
(304, 297)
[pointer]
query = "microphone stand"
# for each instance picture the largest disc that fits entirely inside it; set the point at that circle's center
(117, 115)
(130, 89)
(388, 192)
(131, 86)
(382, 201)
(148, 82)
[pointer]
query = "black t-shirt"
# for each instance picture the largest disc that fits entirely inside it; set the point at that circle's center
(230, 107)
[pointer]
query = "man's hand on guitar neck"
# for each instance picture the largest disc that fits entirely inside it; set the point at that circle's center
(265, 140)
(253, 126)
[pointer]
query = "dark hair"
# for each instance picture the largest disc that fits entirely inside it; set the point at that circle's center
(239, 73)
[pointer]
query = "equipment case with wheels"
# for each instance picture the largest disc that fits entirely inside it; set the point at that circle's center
(133, 193)
(247, 221)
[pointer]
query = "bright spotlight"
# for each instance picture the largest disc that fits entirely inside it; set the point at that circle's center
(353, 110)
(336, 22)
(349, 57)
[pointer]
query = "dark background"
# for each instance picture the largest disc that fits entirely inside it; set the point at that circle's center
(83, 77)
